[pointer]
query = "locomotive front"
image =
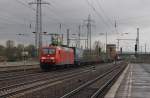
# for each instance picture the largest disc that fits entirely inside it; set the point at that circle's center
(48, 57)
(53, 56)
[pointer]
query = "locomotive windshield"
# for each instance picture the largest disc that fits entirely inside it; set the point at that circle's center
(48, 51)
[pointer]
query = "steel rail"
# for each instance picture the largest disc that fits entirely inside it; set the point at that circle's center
(10, 76)
(23, 87)
(101, 91)
(68, 95)
(18, 76)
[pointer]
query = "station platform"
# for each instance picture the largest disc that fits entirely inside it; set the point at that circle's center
(134, 82)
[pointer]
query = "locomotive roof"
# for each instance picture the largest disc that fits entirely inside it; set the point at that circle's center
(58, 47)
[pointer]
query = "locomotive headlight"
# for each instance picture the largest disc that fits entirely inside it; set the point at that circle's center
(52, 58)
(43, 58)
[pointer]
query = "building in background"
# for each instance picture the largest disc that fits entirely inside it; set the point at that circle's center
(10, 44)
(111, 51)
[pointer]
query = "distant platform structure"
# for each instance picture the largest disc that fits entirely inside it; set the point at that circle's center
(111, 51)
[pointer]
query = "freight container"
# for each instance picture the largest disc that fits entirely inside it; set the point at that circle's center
(78, 53)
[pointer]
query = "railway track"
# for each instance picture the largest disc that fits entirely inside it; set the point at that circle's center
(97, 87)
(47, 79)
(5, 69)
(23, 74)
(4, 76)
(14, 75)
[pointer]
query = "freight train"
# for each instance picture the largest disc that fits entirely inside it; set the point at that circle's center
(53, 56)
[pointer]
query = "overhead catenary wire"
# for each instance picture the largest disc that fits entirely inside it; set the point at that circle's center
(59, 19)
(33, 9)
(106, 23)
(104, 13)
(9, 20)
(107, 17)
(25, 4)
(53, 13)
(10, 23)
(99, 14)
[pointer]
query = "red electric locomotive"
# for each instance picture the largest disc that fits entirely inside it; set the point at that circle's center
(56, 56)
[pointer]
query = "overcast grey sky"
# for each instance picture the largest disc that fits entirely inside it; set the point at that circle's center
(16, 17)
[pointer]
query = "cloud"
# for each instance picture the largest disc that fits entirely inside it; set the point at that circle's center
(129, 14)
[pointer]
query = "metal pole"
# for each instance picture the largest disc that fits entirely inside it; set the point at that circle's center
(141, 49)
(36, 29)
(38, 26)
(62, 39)
(118, 44)
(60, 31)
(85, 44)
(89, 33)
(106, 47)
(145, 48)
(87, 36)
(137, 40)
(60, 28)
(68, 41)
(79, 36)
(106, 41)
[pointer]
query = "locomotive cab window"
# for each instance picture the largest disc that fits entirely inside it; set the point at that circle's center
(48, 51)
(59, 52)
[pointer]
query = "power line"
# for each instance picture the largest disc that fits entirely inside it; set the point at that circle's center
(101, 8)
(25, 4)
(53, 13)
(94, 9)
(6, 19)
